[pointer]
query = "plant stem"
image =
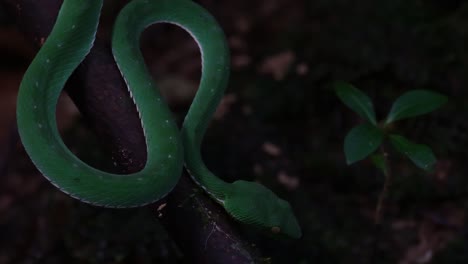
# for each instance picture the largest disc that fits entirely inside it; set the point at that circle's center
(388, 182)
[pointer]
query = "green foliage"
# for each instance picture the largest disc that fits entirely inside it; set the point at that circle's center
(421, 155)
(364, 139)
(356, 100)
(361, 141)
(414, 103)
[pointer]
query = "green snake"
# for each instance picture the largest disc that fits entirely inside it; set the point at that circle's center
(168, 149)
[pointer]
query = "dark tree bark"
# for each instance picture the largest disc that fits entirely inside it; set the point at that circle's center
(200, 227)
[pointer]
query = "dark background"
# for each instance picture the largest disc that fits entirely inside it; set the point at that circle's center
(279, 124)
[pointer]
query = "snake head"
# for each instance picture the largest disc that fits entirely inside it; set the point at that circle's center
(255, 205)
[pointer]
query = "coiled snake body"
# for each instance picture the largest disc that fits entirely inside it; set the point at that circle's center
(168, 149)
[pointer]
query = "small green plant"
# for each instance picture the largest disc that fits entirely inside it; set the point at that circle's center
(364, 140)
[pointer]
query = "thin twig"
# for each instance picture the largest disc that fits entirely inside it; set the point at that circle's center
(388, 182)
(378, 228)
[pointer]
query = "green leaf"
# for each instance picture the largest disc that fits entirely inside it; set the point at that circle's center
(356, 100)
(414, 103)
(379, 162)
(420, 154)
(361, 141)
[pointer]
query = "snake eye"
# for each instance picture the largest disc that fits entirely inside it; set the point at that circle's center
(275, 230)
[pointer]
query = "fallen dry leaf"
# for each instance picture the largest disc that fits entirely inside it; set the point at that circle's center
(277, 65)
(271, 149)
(290, 182)
(302, 69)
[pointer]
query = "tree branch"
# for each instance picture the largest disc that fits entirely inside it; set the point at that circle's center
(199, 226)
